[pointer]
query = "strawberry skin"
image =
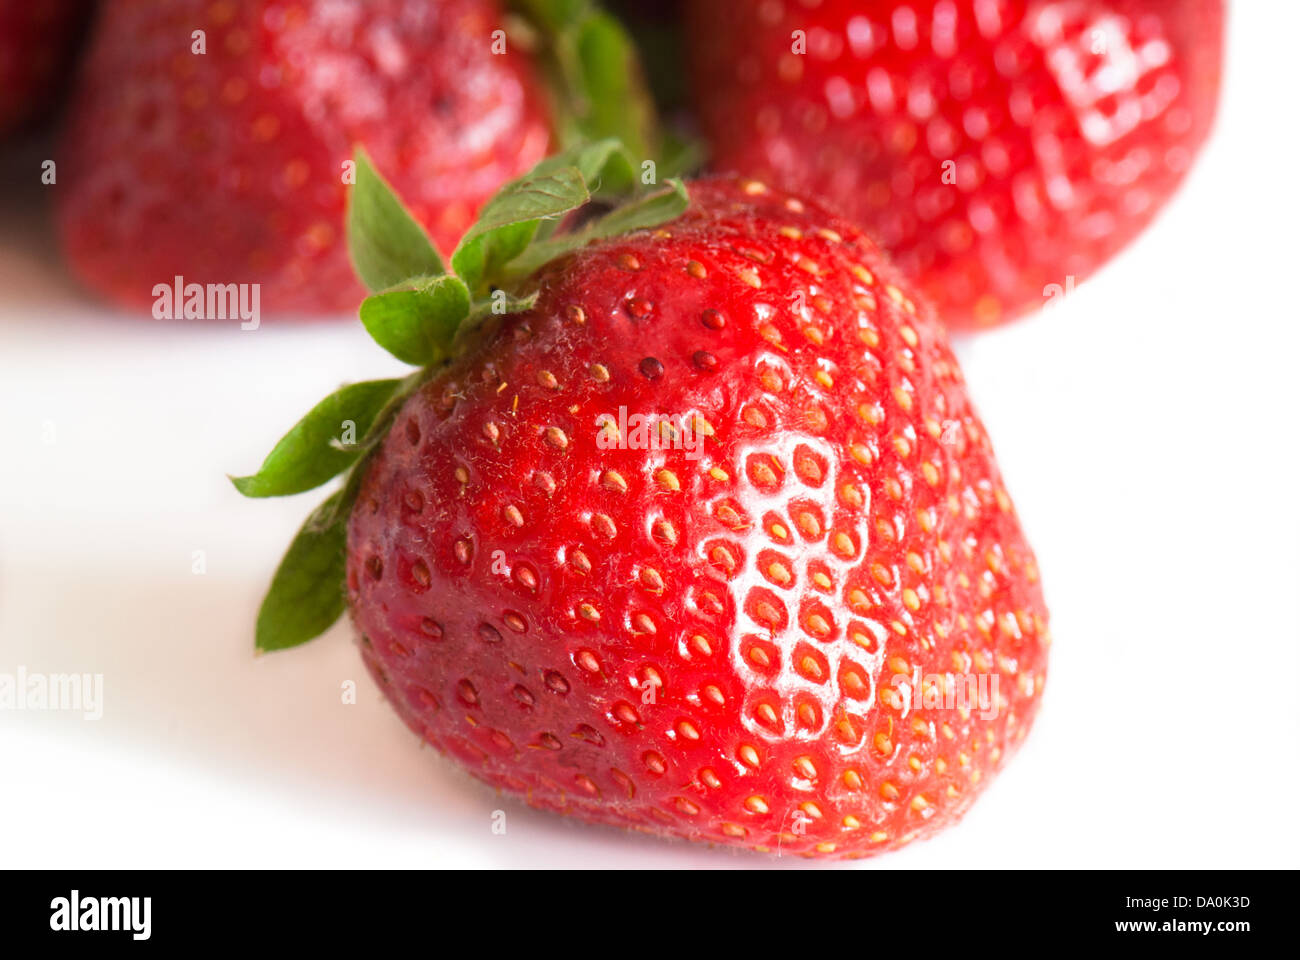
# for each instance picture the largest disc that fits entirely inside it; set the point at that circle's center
(994, 148)
(227, 166)
(706, 647)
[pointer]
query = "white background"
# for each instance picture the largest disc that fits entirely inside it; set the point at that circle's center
(1147, 427)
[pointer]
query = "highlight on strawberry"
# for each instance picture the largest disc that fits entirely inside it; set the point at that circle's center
(683, 523)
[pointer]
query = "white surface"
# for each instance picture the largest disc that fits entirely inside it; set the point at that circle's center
(1147, 427)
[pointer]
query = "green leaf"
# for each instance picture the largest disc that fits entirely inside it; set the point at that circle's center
(314, 450)
(640, 214)
(509, 220)
(681, 155)
(596, 83)
(417, 324)
(594, 158)
(307, 591)
(554, 14)
(386, 244)
(499, 304)
(617, 101)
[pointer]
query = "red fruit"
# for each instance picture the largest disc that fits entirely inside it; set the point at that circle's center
(35, 42)
(713, 647)
(227, 166)
(994, 148)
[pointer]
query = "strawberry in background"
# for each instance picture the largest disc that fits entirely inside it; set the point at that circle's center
(36, 40)
(995, 147)
(226, 165)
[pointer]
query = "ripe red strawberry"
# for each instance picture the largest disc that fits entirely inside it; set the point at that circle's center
(36, 40)
(994, 148)
(736, 628)
(226, 166)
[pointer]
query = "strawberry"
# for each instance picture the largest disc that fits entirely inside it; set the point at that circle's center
(701, 537)
(208, 139)
(994, 148)
(36, 40)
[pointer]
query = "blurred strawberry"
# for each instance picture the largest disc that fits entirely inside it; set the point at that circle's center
(209, 138)
(36, 40)
(996, 147)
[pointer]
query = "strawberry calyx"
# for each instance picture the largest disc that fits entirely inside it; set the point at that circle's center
(426, 315)
(591, 73)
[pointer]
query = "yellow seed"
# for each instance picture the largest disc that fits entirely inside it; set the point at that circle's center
(668, 480)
